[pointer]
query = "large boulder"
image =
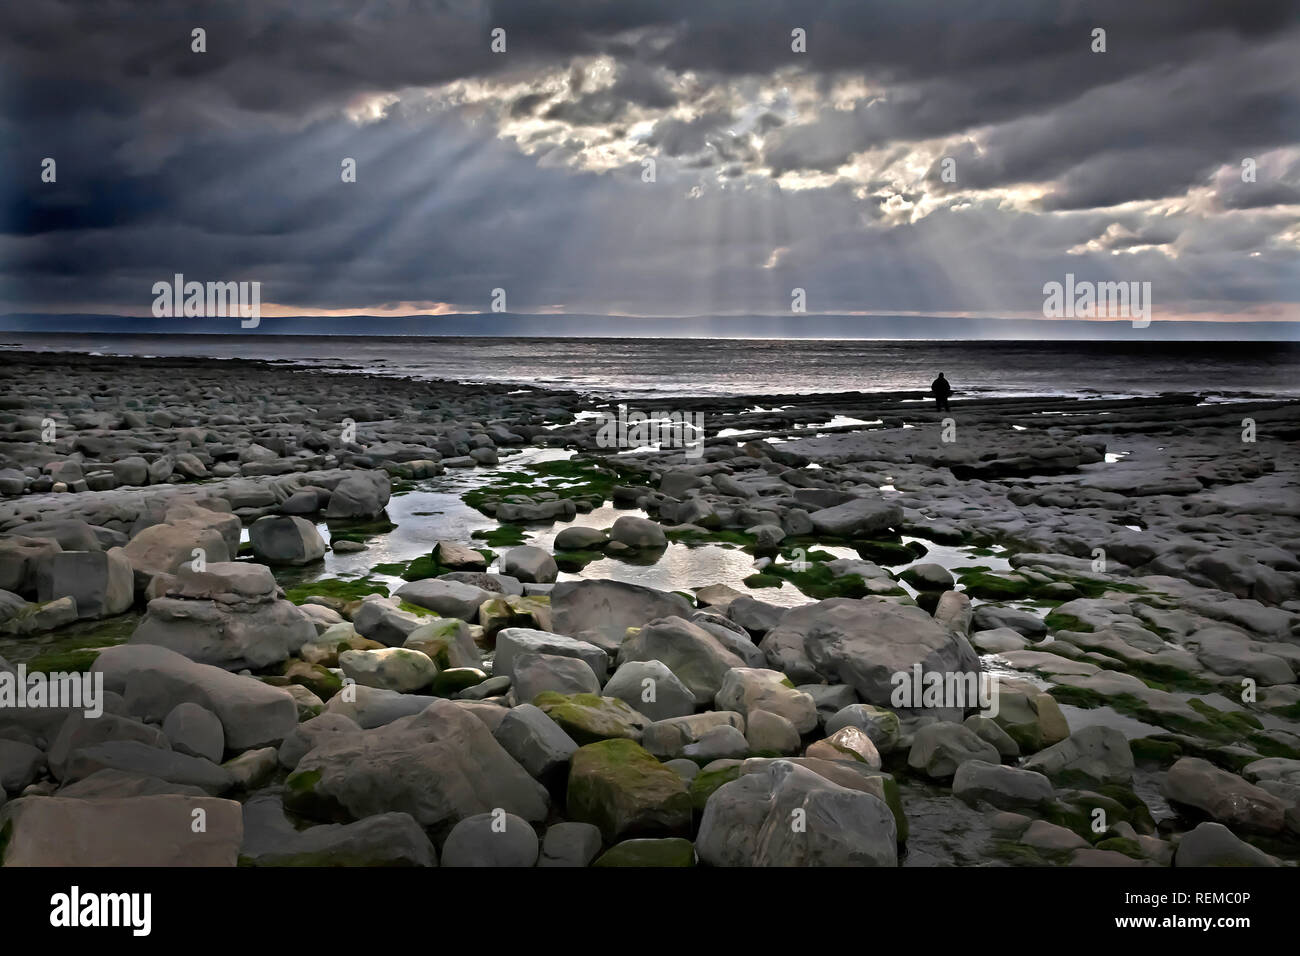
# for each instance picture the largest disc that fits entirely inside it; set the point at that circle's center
(79, 731)
(860, 518)
(133, 756)
(529, 564)
(787, 815)
(538, 673)
(491, 839)
(651, 688)
(696, 656)
(227, 615)
(589, 717)
(393, 668)
(669, 739)
(865, 643)
(166, 548)
(1092, 756)
(580, 539)
(361, 494)
(195, 730)
(101, 582)
(623, 790)
(445, 598)
(154, 680)
(638, 533)
(380, 619)
(284, 539)
(537, 742)
(513, 641)
(447, 641)
(600, 612)
(1227, 651)
(1223, 796)
(939, 749)
(372, 707)
(1213, 844)
(132, 831)
(746, 689)
(440, 766)
(19, 557)
(1007, 788)
(386, 839)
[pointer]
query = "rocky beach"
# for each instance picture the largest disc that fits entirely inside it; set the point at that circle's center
(355, 620)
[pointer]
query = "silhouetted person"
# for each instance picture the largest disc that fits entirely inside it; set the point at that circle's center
(941, 390)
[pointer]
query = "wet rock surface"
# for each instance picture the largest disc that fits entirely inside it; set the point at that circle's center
(367, 621)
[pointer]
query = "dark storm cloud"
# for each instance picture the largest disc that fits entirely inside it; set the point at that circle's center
(227, 163)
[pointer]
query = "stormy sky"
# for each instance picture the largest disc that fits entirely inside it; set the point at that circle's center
(526, 170)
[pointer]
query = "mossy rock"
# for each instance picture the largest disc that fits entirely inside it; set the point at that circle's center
(498, 613)
(321, 681)
(1128, 847)
(415, 609)
(580, 477)
(436, 638)
(1153, 750)
(1017, 854)
(453, 680)
(589, 717)
(817, 581)
(621, 788)
(1056, 621)
(995, 587)
(302, 797)
(1268, 747)
(667, 851)
(337, 588)
(893, 798)
(1075, 810)
(707, 781)
(1217, 727)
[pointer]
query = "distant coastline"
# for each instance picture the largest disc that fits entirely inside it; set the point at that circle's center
(809, 326)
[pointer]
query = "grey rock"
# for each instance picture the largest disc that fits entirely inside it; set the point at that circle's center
(196, 731)
(747, 822)
(634, 681)
(488, 839)
(536, 742)
(570, 844)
